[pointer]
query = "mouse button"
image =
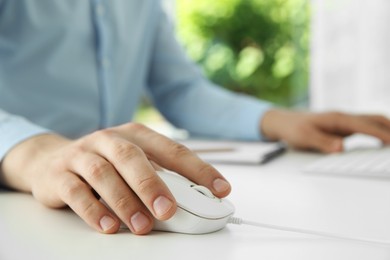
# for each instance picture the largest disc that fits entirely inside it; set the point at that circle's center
(193, 201)
(172, 179)
(205, 207)
(203, 190)
(196, 203)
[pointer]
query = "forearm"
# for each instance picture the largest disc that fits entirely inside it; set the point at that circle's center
(208, 110)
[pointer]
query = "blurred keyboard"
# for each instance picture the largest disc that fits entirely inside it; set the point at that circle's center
(370, 162)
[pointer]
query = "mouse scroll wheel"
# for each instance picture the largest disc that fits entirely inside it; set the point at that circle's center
(203, 190)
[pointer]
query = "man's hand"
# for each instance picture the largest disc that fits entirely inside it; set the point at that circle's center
(323, 132)
(115, 163)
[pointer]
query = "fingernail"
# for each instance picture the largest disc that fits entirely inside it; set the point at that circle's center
(139, 221)
(162, 205)
(106, 223)
(221, 185)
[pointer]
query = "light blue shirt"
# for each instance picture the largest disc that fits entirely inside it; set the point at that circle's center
(76, 66)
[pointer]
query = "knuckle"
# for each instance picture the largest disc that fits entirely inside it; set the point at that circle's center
(76, 149)
(57, 165)
(144, 185)
(141, 130)
(207, 170)
(125, 151)
(88, 210)
(54, 165)
(72, 189)
(177, 151)
(102, 134)
(98, 169)
(123, 203)
(136, 127)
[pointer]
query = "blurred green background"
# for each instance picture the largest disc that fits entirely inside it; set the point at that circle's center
(258, 47)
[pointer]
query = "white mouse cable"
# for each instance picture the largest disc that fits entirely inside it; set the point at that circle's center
(240, 221)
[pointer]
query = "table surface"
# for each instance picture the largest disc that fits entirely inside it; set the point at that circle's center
(275, 193)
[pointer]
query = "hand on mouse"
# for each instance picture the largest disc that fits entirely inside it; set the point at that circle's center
(116, 163)
(323, 132)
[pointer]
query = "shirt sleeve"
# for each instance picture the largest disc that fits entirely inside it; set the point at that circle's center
(188, 100)
(15, 129)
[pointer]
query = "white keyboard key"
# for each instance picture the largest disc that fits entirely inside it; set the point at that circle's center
(360, 162)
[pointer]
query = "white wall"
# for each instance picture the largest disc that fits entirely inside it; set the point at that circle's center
(351, 55)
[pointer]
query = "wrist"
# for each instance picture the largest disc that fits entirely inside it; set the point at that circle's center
(272, 124)
(23, 161)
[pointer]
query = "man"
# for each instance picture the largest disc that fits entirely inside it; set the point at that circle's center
(71, 75)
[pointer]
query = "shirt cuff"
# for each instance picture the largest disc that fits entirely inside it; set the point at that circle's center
(14, 130)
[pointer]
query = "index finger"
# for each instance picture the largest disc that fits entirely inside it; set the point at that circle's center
(371, 125)
(135, 169)
(380, 120)
(176, 157)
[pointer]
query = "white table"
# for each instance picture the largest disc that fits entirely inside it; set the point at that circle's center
(276, 193)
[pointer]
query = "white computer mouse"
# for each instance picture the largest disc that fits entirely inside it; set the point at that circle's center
(198, 211)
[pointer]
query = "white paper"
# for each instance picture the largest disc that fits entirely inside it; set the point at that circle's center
(232, 152)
